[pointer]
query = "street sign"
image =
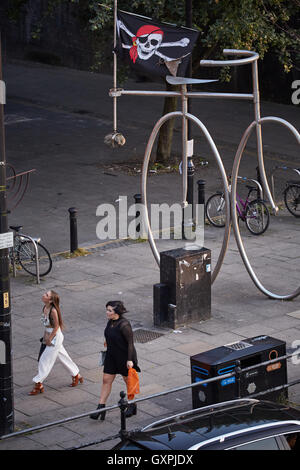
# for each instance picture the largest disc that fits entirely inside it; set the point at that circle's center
(6, 240)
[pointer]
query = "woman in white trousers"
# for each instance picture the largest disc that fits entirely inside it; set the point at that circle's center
(53, 341)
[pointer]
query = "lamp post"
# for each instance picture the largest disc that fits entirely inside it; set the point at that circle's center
(6, 382)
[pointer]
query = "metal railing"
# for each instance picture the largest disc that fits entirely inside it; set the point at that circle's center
(123, 403)
(16, 192)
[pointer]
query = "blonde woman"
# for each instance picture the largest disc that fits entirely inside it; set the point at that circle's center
(53, 344)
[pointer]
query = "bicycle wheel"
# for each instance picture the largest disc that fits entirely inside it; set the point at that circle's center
(27, 258)
(292, 199)
(257, 217)
(215, 210)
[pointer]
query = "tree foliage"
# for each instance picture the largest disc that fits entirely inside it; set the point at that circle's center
(260, 25)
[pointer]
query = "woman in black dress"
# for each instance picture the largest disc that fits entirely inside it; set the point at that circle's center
(120, 355)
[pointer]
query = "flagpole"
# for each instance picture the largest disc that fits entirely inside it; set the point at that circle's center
(115, 65)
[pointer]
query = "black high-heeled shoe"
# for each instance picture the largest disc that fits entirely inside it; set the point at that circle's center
(101, 414)
(131, 410)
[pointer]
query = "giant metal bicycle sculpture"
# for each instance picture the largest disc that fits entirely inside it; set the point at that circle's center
(243, 57)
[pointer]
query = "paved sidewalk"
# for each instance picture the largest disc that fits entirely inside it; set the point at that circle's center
(67, 150)
(128, 272)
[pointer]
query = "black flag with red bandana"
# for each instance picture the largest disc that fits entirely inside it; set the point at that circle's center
(154, 49)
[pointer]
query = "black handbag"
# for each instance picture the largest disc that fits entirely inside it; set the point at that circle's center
(42, 348)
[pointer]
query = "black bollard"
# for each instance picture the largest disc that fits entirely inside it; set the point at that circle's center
(138, 200)
(201, 191)
(201, 197)
(189, 197)
(73, 229)
(190, 187)
(123, 404)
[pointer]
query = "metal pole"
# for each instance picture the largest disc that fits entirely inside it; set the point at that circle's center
(73, 229)
(189, 24)
(260, 153)
(189, 211)
(191, 166)
(6, 379)
(115, 65)
(184, 141)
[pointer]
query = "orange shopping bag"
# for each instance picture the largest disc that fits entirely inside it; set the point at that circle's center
(133, 384)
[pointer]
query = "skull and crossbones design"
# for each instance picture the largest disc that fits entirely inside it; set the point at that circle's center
(147, 41)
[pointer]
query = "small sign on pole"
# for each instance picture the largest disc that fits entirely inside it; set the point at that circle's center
(6, 240)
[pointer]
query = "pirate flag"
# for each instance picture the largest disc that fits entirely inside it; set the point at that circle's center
(152, 48)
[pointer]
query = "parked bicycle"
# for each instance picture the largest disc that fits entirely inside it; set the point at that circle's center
(253, 212)
(29, 253)
(292, 197)
(291, 193)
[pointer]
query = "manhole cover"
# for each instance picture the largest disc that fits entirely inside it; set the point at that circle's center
(143, 336)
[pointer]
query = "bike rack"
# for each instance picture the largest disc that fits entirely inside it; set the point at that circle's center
(285, 168)
(244, 178)
(36, 258)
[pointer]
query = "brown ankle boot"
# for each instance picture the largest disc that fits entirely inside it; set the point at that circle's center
(75, 379)
(38, 388)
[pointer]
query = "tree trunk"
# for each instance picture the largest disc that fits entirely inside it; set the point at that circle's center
(164, 144)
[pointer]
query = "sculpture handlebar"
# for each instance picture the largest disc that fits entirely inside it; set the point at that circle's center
(251, 56)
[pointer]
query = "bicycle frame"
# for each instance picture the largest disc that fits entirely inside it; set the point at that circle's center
(244, 204)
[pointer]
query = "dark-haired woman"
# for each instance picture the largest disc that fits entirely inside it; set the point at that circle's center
(120, 355)
(53, 341)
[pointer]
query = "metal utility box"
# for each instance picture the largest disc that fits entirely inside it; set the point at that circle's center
(223, 360)
(185, 277)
